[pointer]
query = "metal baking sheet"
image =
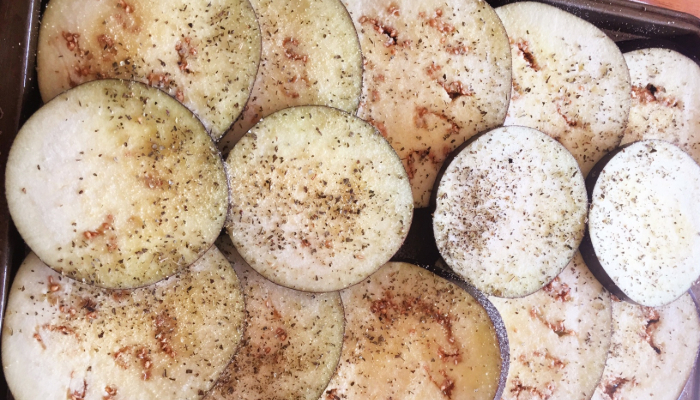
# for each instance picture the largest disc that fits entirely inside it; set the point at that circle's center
(630, 25)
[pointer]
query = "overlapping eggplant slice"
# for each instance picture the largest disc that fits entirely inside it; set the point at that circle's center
(436, 73)
(653, 351)
(665, 99)
(205, 53)
(570, 80)
(410, 334)
(319, 200)
(510, 211)
(63, 339)
(643, 242)
(116, 184)
(292, 341)
(559, 337)
(310, 56)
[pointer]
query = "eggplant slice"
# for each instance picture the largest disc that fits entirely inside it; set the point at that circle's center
(653, 351)
(436, 73)
(665, 99)
(116, 184)
(65, 339)
(319, 200)
(205, 53)
(644, 223)
(570, 80)
(410, 334)
(310, 56)
(292, 341)
(559, 337)
(510, 211)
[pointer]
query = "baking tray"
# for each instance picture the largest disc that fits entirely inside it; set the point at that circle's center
(630, 25)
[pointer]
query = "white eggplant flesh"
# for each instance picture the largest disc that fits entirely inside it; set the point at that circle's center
(319, 200)
(63, 339)
(116, 184)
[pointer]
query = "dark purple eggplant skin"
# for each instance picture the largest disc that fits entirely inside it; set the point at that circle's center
(587, 251)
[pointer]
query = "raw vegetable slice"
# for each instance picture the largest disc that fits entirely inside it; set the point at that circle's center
(653, 351)
(665, 99)
(65, 339)
(205, 53)
(436, 73)
(292, 341)
(643, 242)
(410, 334)
(510, 211)
(570, 80)
(559, 337)
(310, 56)
(319, 200)
(116, 184)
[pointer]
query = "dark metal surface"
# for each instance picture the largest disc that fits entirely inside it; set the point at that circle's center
(631, 25)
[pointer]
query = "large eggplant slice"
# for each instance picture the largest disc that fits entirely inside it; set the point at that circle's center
(643, 239)
(63, 339)
(665, 99)
(570, 80)
(205, 53)
(436, 73)
(559, 337)
(510, 211)
(292, 341)
(653, 351)
(117, 184)
(319, 200)
(410, 334)
(310, 56)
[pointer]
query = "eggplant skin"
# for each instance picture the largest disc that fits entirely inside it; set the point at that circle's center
(641, 242)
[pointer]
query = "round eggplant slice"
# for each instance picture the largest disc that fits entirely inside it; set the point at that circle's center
(116, 184)
(570, 80)
(644, 223)
(205, 53)
(653, 351)
(410, 334)
(436, 73)
(665, 99)
(65, 339)
(510, 211)
(559, 337)
(292, 341)
(310, 56)
(319, 200)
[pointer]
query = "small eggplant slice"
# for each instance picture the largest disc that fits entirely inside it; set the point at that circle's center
(310, 56)
(510, 211)
(205, 53)
(653, 351)
(570, 80)
(643, 239)
(319, 200)
(665, 99)
(116, 184)
(437, 72)
(410, 334)
(292, 341)
(63, 339)
(559, 337)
